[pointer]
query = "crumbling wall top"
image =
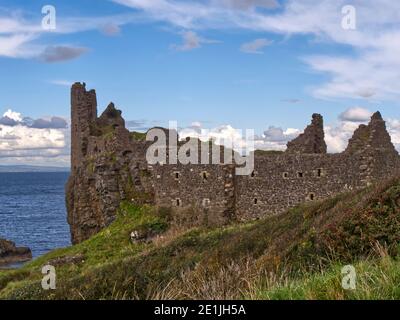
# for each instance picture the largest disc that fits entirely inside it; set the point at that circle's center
(111, 117)
(312, 140)
(372, 137)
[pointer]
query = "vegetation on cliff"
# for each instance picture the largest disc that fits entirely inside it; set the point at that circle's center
(297, 255)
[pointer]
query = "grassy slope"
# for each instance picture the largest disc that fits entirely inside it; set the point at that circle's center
(295, 255)
(377, 279)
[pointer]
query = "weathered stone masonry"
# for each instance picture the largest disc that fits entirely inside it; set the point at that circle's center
(109, 165)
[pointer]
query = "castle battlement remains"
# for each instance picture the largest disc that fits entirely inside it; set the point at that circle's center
(108, 165)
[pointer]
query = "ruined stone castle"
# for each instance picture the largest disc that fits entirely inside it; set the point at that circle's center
(108, 166)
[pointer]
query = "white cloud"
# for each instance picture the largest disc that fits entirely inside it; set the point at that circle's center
(179, 13)
(394, 131)
(275, 138)
(48, 143)
(16, 116)
(274, 134)
(17, 138)
(337, 134)
(42, 141)
(369, 71)
(64, 83)
(191, 41)
(356, 114)
(272, 139)
(61, 53)
(247, 4)
(292, 100)
(222, 135)
(21, 38)
(17, 46)
(110, 29)
(17, 36)
(255, 46)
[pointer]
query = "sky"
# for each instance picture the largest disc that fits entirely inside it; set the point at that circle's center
(223, 65)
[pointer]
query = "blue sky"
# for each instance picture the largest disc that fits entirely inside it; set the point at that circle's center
(244, 63)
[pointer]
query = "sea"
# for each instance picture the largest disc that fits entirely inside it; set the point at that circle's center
(32, 210)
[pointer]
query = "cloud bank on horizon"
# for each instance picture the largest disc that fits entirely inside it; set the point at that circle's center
(337, 134)
(44, 141)
(47, 141)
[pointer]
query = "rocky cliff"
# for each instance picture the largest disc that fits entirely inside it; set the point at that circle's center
(105, 169)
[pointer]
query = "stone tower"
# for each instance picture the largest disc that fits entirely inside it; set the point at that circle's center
(83, 113)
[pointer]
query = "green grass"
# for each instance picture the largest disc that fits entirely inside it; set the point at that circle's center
(109, 245)
(377, 279)
(296, 255)
(138, 136)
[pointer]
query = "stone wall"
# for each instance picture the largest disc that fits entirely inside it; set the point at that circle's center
(109, 165)
(285, 180)
(206, 189)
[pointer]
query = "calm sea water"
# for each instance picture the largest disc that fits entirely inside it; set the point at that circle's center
(32, 210)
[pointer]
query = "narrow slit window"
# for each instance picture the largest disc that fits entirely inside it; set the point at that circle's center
(205, 176)
(300, 174)
(285, 175)
(319, 172)
(178, 202)
(255, 201)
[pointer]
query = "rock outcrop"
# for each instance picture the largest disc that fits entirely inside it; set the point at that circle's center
(312, 140)
(9, 253)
